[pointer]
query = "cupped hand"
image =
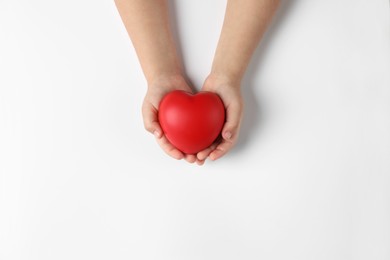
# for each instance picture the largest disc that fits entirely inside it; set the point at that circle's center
(156, 91)
(229, 92)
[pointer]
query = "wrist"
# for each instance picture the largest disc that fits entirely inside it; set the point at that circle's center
(166, 79)
(223, 79)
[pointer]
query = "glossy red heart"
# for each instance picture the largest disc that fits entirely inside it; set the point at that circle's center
(191, 122)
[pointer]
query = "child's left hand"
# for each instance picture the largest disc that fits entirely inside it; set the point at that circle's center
(229, 91)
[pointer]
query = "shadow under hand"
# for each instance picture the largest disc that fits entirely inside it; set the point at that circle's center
(253, 113)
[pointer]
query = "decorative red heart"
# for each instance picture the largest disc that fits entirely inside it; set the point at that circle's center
(191, 122)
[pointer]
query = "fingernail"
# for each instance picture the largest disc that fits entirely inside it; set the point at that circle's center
(228, 135)
(156, 134)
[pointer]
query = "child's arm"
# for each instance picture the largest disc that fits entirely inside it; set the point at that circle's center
(147, 23)
(244, 25)
(148, 27)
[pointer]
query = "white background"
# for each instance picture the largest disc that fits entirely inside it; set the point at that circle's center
(81, 179)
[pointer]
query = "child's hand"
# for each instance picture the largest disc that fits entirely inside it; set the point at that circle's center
(156, 91)
(229, 91)
(147, 23)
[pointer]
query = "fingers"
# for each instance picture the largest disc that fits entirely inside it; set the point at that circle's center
(216, 150)
(224, 147)
(150, 118)
(229, 134)
(202, 155)
(169, 148)
(151, 124)
(200, 162)
(233, 121)
(191, 158)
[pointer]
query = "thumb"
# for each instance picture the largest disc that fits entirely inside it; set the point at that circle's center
(233, 121)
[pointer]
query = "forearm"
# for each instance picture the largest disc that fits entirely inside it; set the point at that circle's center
(244, 25)
(147, 23)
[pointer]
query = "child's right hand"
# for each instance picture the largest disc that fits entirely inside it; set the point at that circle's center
(157, 89)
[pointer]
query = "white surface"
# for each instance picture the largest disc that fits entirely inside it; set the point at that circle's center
(81, 179)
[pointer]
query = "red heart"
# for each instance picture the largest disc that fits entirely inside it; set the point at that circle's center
(191, 122)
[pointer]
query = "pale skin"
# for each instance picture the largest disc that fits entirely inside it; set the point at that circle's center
(147, 23)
